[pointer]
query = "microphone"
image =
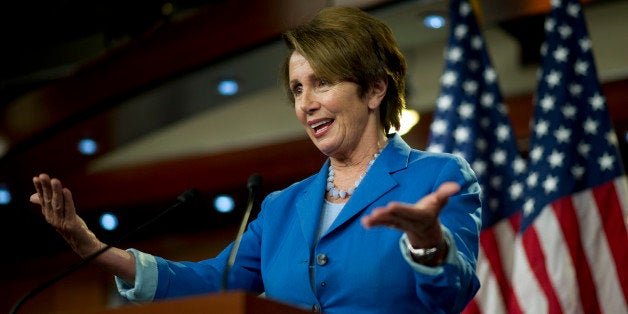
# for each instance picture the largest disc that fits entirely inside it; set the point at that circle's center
(254, 185)
(185, 197)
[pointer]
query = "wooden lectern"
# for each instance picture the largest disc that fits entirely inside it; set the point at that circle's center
(232, 302)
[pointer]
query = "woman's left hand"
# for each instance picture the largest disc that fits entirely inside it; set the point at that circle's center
(419, 220)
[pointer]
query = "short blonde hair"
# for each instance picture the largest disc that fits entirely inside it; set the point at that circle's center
(348, 44)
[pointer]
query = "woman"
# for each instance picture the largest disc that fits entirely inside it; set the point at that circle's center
(314, 244)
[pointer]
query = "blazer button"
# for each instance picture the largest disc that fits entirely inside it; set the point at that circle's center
(321, 259)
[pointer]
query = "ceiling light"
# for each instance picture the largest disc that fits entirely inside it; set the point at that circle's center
(434, 21)
(409, 118)
(87, 146)
(224, 203)
(228, 87)
(5, 195)
(108, 221)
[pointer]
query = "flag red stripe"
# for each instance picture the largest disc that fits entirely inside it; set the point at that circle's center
(565, 213)
(492, 252)
(536, 260)
(472, 308)
(611, 214)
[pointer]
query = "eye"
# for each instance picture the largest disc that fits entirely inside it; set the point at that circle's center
(296, 89)
(322, 82)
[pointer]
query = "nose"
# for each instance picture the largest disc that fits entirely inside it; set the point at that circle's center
(308, 102)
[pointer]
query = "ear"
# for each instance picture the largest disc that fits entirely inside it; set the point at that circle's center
(377, 93)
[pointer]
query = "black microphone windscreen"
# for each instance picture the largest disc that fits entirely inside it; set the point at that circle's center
(188, 195)
(255, 182)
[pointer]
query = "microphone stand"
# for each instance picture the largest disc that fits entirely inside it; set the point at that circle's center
(254, 183)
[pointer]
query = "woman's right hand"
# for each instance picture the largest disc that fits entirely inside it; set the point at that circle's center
(57, 206)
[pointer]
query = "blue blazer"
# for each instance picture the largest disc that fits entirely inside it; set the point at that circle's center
(349, 269)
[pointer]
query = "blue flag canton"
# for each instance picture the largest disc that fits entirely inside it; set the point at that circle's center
(573, 145)
(471, 120)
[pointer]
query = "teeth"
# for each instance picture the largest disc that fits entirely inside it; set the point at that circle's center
(315, 125)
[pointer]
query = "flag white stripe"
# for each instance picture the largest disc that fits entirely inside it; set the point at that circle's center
(621, 186)
(505, 235)
(558, 262)
(525, 286)
(599, 255)
(489, 298)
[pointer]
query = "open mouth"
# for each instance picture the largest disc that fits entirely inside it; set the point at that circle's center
(321, 126)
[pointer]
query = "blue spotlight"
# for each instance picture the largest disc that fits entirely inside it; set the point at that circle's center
(434, 21)
(87, 146)
(108, 221)
(224, 203)
(5, 195)
(228, 87)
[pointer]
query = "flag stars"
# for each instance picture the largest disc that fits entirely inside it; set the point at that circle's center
(532, 179)
(461, 134)
(585, 44)
(541, 128)
(565, 31)
(449, 78)
(470, 87)
(553, 79)
(573, 10)
(477, 42)
(466, 111)
(583, 149)
(528, 207)
(515, 190)
(536, 154)
(461, 31)
(555, 159)
(578, 171)
(487, 100)
(597, 102)
(547, 103)
(590, 126)
(499, 157)
(575, 90)
(439, 127)
(479, 167)
(562, 134)
(444, 102)
(455, 54)
(560, 54)
(502, 132)
(550, 24)
(481, 144)
(489, 75)
(435, 148)
(519, 165)
(606, 162)
(550, 184)
(496, 182)
(581, 67)
(465, 9)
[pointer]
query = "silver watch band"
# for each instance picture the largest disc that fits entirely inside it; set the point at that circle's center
(426, 253)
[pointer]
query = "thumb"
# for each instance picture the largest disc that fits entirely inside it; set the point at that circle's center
(439, 197)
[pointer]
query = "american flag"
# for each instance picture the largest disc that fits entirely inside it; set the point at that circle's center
(572, 251)
(554, 227)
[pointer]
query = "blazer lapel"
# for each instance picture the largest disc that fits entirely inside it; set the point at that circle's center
(310, 203)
